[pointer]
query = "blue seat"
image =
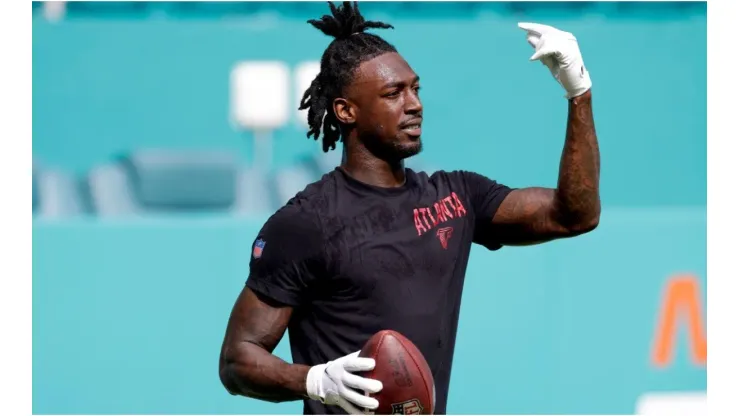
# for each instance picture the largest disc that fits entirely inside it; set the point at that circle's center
(55, 193)
(166, 181)
(34, 189)
(110, 191)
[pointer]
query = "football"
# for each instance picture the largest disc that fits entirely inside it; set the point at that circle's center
(408, 386)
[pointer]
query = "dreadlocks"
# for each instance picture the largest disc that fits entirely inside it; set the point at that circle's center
(351, 46)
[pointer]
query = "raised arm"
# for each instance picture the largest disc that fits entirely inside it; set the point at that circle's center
(536, 215)
(247, 366)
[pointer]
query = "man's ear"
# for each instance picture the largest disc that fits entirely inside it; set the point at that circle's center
(344, 110)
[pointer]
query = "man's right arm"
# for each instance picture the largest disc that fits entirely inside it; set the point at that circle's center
(286, 260)
(277, 282)
(247, 366)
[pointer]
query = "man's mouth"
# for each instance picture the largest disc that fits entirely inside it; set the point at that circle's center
(412, 127)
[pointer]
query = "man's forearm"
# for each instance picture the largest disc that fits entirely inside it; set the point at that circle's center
(577, 194)
(262, 375)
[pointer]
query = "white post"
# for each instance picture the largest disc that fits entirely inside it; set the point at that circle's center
(259, 103)
(54, 11)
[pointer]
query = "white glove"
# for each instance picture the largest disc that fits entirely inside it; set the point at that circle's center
(332, 383)
(559, 51)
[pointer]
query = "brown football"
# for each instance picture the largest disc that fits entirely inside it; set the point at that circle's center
(408, 386)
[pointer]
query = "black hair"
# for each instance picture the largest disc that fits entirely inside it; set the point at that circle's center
(351, 46)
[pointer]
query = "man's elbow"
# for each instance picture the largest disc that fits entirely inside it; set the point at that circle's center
(588, 226)
(236, 381)
(227, 380)
(229, 365)
(584, 225)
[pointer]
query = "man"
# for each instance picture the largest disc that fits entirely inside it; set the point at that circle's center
(375, 246)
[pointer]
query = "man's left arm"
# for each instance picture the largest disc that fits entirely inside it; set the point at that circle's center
(536, 215)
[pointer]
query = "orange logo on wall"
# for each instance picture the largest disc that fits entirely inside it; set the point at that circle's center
(680, 305)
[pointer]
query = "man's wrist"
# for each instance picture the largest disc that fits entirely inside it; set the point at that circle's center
(585, 96)
(313, 382)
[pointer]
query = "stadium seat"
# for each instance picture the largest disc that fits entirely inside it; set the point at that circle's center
(152, 181)
(56, 193)
(110, 191)
(34, 189)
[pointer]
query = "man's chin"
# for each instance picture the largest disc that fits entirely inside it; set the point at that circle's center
(395, 151)
(409, 149)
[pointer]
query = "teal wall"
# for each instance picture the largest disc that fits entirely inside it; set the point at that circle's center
(129, 314)
(129, 317)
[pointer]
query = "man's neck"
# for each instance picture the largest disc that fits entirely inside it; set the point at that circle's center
(371, 170)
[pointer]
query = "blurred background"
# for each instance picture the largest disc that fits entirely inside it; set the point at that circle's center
(166, 133)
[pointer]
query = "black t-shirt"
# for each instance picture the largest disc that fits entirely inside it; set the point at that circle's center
(354, 259)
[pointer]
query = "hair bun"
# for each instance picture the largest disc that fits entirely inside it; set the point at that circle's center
(345, 21)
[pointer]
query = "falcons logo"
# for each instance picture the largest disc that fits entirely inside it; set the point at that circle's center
(444, 235)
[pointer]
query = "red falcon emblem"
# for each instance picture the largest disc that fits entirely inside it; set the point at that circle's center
(444, 235)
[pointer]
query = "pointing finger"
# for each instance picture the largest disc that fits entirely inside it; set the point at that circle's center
(535, 28)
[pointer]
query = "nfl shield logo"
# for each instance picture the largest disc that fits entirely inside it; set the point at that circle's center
(409, 407)
(258, 246)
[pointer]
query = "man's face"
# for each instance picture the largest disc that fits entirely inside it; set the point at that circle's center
(383, 104)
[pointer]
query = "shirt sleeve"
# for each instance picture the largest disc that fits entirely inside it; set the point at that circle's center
(287, 256)
(485, 196)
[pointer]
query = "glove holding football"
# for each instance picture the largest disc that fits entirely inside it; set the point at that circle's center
(335, 384)
(559, 52)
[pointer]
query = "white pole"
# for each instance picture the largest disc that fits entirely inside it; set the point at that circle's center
(262, 158)
(54, 10)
